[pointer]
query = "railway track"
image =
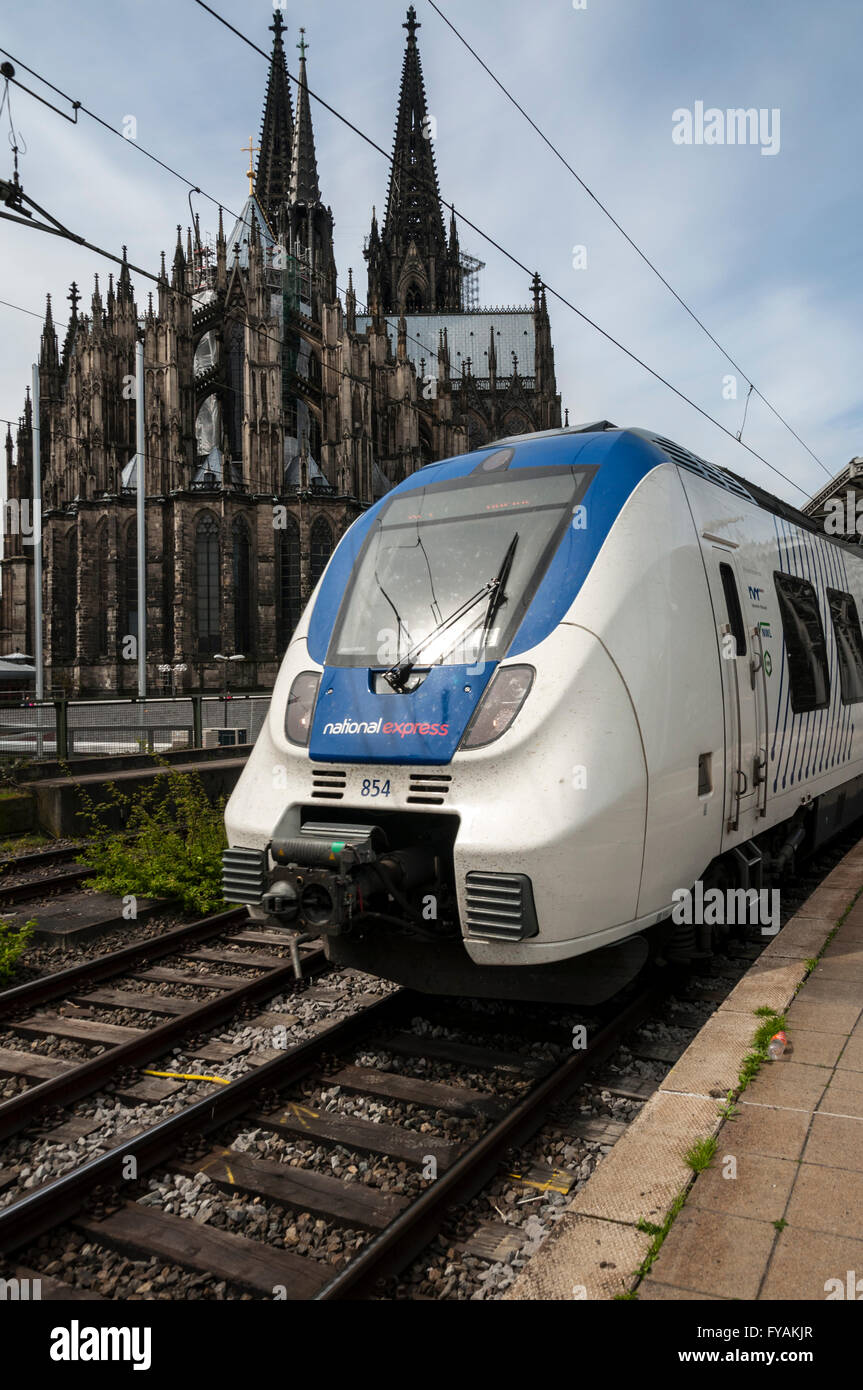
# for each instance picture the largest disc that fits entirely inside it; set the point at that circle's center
(316, 1093)
(62, 881)
(136, 981)
(323, 1097)
(41, 858)
(18, 867)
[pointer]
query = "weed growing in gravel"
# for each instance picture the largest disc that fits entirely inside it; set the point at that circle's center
(170, 844)
(701, 1152)
(14, 937)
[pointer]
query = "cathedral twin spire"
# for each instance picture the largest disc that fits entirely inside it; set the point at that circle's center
(413, 266)
(287, 172)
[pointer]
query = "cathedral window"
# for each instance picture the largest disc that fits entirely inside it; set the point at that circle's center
(235, 398)
(208, 586)
(321, 548)
(129, 613)
(289, 604)
(314, 437)
(100, 587)
(8, 601)
(66, 597)
(242, 569)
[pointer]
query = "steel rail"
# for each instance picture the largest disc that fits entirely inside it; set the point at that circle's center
(54, 985)
(41, 1210)
(83, 1080)
(410, 1232)
(38, 859)
(41, 887)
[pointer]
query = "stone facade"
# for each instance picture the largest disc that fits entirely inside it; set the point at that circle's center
(274, 414)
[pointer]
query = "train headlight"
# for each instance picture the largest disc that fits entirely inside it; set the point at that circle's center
(301, 707)
(507, 692)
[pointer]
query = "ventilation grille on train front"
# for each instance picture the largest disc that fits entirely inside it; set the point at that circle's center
(428, 788)
(500, 907)
(328, 784)
(244, 875)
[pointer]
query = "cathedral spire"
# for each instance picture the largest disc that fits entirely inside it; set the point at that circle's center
(221, 255)
(304, 167)
(96, 308)
(178, 278)
(124, 282)
(272, 182)
(413, 181)
(48, 355)
(412, 273)
(74, 298)
(351, 303)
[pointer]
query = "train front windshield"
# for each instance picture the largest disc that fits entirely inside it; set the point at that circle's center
(448, 571)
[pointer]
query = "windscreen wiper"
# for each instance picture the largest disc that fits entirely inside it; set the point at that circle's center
(498, 598)
(398, 675)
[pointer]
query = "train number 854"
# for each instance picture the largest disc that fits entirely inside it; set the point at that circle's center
(373, 786)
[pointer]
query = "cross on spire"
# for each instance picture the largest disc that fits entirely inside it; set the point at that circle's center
(74, 298)
(278, 25)
(412, 25)
(302, 45)
(251, 150)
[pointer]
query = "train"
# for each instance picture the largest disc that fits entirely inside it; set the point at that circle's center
(541, 691)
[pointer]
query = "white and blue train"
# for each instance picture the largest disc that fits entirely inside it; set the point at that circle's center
(539, 690)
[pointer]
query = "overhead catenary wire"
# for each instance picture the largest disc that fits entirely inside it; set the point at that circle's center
(194, 187)
(589, 191)
(515, 260)
(148, 154)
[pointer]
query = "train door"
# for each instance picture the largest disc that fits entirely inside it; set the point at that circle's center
(742, 663)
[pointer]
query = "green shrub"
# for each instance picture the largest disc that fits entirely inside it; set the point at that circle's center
(14, 937)
(170, 845)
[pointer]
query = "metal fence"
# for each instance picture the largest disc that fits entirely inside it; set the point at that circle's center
(93, 728)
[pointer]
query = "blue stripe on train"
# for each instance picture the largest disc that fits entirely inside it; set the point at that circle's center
(354, 724)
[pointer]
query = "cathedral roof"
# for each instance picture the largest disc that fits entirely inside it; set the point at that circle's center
(293, 473)
(240, 236)
(468, 337)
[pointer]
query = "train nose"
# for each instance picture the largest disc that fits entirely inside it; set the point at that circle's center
(575, 768)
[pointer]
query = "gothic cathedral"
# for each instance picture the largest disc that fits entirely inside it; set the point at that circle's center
(276, 410)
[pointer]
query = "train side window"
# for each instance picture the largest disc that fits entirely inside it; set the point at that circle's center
(808, 673)
(732, 603)
(849, 645)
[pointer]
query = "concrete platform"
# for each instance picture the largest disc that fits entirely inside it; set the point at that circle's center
(778, 1214)
(58, 802)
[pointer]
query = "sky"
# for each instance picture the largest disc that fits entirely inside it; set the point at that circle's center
(764, 247)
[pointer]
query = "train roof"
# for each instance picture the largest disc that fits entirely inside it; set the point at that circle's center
(712, 472)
